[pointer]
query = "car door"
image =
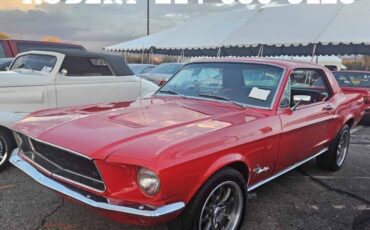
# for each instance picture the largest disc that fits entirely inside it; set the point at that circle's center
(30, 84)
(305, 114)
(86, 80)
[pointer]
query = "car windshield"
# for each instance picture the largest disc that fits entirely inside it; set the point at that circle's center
(353, 79)
(246, 84)
(35, 62)
(169, 68)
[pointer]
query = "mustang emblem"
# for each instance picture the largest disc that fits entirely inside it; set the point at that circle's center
(260, 169)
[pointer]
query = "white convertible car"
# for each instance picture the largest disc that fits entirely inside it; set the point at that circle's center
(39, 80)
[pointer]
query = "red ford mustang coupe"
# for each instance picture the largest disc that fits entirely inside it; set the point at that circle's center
(189, 154)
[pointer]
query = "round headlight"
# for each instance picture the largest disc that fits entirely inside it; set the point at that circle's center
(148, 181)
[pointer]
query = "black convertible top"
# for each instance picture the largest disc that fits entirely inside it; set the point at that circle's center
(117, 63)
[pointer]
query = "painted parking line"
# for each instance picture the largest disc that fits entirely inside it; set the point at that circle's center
(355, 130)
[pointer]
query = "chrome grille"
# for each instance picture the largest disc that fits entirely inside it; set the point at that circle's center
(62, 163)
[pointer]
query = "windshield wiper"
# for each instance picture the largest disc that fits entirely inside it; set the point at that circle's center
(219, 97)
(172, 92)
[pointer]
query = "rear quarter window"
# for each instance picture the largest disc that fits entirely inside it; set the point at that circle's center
(86, 66)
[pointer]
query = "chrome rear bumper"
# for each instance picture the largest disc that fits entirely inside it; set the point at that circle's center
(56, 186)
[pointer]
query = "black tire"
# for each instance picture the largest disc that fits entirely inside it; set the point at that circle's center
(190, 218)
(7, 145)
(332, 160)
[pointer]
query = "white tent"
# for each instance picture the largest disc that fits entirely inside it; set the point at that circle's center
(280, 30)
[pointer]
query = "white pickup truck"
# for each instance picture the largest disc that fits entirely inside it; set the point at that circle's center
(39, 80)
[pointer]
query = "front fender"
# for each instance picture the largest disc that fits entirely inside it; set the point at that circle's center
(8, 119)
(216, 166)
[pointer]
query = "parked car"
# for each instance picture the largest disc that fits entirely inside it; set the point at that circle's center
(160, 74)
(356, 82)
(189, 154)
(5, 63)
(11, 48)
(141, 68)
(45, 79)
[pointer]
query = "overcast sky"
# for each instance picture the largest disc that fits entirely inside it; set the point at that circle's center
(96, 26)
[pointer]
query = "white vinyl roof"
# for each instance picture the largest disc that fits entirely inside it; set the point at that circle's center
(282, 30)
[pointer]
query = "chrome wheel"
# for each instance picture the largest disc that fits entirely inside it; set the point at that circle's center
(223, 208)
(343, 147)
(3, 152)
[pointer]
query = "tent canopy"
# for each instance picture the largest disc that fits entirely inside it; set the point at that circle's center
(267, 31)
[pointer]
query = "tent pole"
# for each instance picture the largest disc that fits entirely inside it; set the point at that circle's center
(182, 55)
(260, 51)
(313, 52)
(151, 56)
(219, 52)
(142, 57)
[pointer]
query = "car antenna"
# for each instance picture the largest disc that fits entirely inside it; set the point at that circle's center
(140, 89)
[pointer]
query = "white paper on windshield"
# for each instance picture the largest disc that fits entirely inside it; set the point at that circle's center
(46, 69)
(260, 94)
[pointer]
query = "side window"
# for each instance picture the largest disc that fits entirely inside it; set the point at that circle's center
(86, 66)
(2, 51)
(305, 86)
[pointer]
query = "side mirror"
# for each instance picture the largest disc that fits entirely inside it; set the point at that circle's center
(7, 68)
(64, 72)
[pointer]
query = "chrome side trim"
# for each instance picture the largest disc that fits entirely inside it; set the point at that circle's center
(286, 170)
(58, 187)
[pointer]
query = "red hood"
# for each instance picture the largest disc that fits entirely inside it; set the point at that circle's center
(98, 131)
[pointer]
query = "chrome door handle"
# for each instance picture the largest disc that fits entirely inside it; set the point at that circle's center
(327, 108)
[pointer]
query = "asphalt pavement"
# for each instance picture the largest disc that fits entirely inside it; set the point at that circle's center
(306, 198)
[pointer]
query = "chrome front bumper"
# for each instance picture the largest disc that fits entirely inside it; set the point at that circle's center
(54, 185)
